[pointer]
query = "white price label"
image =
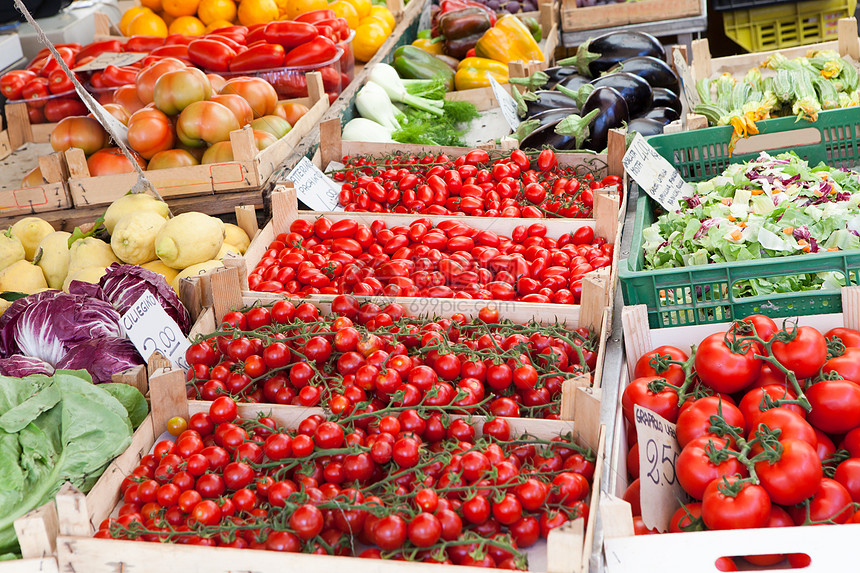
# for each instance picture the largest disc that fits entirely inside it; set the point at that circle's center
(506, 103)
(655, 175)
(688, 86)
(314, 188)
(106, 59)
(151, 329)
(660, 492)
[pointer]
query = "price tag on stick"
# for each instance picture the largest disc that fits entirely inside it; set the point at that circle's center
(506, 103)
(660, 492)
(151, 329)
(655, 175)
(314, 188)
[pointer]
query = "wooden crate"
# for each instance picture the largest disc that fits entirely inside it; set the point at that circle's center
(37, 536)
(574, 19)
(250, 170)
(697, 551)
(22, 147)
(567, 549)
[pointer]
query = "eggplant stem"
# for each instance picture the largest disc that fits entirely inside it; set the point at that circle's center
(581, 60)
(577, 127)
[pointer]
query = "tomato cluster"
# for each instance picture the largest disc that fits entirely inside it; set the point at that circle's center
(759, 411)
(366, 358)
(472, 184)
(448, 260)
(410, 485)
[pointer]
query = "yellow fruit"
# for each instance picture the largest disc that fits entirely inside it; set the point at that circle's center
(368, 38)
(154, 5)
(30, 231)
(296, 8)
(188, 239)
(257, 12)
(11, 250)
(132, 203)
(385, 14)
(362, 7)
(344, 9)
(133, 238)
(147, 24)
(235, 236)
(55, 258)
(217, 24)
(91, 274)
(216, 10)
(188, 25)
(130, 15)
(22, 276)
(157, 266)
(368, 20)
(194, 270)
(180, 7)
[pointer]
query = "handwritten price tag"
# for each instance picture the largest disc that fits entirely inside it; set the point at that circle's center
(661, 494)
(654, 174)
(506, 103)
(150, 329)
(314, 188)
(106, 59)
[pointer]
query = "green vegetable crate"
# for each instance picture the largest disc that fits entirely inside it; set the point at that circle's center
(703, 294)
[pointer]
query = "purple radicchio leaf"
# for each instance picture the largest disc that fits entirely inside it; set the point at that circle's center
(102, 358)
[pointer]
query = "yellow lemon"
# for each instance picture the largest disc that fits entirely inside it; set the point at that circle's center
(296, 8)
(216, 10)
(362, 7)
(368, 38)
(344, 9)
(130, 15)
(367, 20)
(257, 12)
(385, 14)
(154, 5)
(218, 24)
(147, 24)
(188, 25)
(179, 8)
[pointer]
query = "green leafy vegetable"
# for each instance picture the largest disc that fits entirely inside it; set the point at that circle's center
(423, 128)
(57, 429)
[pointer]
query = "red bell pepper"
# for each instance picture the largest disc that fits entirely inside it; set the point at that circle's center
(68, 56)
(144, 44)
(37, 88)
(59, 82)
(114, 77)
(211, 55)
(316, 16)
(96, 48)
(318, 51)
(263, 56)
(289, 34)
(178, 51)
(226, 40)
(179, 40)
(57, 109)
(11, 83)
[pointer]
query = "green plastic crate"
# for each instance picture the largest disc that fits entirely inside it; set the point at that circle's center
(703, 294)
(786, 25)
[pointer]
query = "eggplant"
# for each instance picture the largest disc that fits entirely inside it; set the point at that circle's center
(612, 113)
(547, 100)
(545, 136)
(663, 114)
(645, 126)
(635, 90)
(558, 73)
(553, 115)
(655, 71)
(602, 53)
(662, 97)
(571, 82)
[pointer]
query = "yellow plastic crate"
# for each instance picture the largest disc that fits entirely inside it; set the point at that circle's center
(785, 25)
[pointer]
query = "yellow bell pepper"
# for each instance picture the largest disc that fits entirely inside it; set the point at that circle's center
(508, 41)
(476, 73)
(429, 46)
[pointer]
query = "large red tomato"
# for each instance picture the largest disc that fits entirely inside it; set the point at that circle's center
(748, 508)
(172, 158)
(835, 406)
(664, 403)
(220, 152)
(695, 419)
(82, 132)
(847, 365)
(150, 131)
(805, 355)
(696, 471)
(238, 105)
(259, 94)
(724, 370)
(794, 477)
(674, 373)
(111, 161)
(147, 77)
(205, 122)
(126, 96)
(177, 89)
